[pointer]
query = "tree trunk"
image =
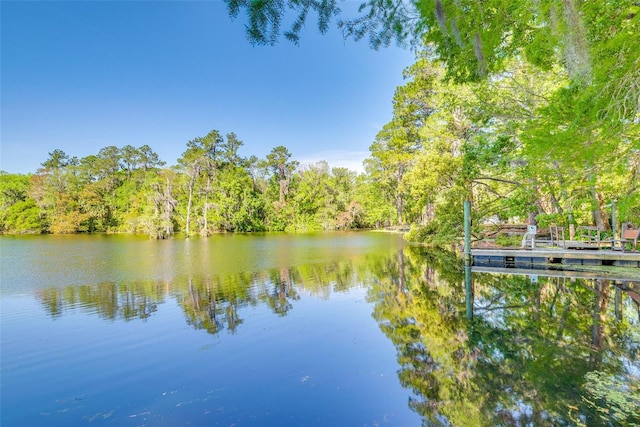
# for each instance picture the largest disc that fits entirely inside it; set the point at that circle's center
(599, 216)
(205, 222)
(399, 207)
(429, 214)
(167, 209)
(534, 206)
(282, 186)
(191, 184)
(555, 202)
(205, 209)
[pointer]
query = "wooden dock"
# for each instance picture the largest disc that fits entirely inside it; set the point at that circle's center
(538, 258)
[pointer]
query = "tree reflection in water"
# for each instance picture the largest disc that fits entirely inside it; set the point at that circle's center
(133, 300)
(545, 353)
(558, 351)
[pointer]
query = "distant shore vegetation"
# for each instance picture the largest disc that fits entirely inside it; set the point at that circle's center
(526, 146)
(211, 189)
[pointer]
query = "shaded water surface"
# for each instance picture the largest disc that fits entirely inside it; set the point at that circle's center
(348, 329)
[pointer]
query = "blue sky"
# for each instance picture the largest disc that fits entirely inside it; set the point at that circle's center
(80, 76)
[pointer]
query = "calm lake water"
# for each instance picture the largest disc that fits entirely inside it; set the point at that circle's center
(332, 329)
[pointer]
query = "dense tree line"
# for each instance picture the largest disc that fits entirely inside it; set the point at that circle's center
(211, 189)
(522, 146)
(529, 109)
(518, 145)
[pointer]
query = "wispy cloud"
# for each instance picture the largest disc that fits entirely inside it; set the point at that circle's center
(337, 158)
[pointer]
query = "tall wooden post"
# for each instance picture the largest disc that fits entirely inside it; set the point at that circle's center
(467, 233)
(468, 261)
(614, 219)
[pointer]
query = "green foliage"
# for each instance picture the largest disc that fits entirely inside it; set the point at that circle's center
(419, 233)
(522, 145)
(279, 217)
(394, 151)
(534, 111)
(378, 211)
(278, 163)
(237, 206)
(22, 217)
(629, 207)
(611, 399)
(265, 17)
(545, 220)
(592, 40)
(505, 240)
(18, 212)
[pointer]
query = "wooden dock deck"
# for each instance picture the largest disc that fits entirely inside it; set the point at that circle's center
(528, 258)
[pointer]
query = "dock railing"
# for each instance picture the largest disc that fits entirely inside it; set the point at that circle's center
(556, 234)
(555, 238)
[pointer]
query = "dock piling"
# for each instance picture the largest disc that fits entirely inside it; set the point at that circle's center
(467, 233)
